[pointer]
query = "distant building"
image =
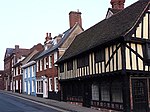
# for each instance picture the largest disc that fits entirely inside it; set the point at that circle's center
(29, 71)
(17, 67)
(108, 65)
(2, 80)
(12, 56)
(47, 75)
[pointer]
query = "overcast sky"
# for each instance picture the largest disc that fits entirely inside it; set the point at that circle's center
(26, 22)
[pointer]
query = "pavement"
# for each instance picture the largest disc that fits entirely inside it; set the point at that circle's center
(57, 104)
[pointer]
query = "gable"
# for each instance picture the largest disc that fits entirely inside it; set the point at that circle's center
(29, 57)
(142, 28)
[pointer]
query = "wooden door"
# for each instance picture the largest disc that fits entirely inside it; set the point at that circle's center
(87, 95)
(140, 95)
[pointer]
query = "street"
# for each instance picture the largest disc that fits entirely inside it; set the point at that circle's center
(9, 103)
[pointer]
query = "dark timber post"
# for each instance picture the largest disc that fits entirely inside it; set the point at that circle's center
(126, 82)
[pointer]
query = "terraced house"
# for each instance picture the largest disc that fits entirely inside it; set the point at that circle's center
(47, 75)
(107, 66)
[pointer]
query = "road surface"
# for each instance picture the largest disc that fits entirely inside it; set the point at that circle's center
(10, 103)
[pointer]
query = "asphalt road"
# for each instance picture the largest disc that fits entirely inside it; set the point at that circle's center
(10, 103)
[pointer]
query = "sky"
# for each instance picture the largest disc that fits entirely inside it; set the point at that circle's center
(26, 22)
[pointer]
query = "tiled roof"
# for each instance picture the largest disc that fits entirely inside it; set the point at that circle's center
(54, 47)
(109, 29)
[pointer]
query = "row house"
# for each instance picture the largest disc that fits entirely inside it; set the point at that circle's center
(2, 80)
(17, 68)
(11, 57)
(46, 74)
(29, 71)
(107, 66)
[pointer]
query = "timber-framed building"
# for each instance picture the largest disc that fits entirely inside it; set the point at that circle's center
(108, 65)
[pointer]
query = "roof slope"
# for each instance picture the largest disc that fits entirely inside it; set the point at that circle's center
(108, 29)
(54, 47)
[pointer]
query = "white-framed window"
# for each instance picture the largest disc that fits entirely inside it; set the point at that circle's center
(50, 61)
(28, 72)
(50, 84)
(33, 69)
(33, 85)
(39, 86)
(55, 57)
(20, 85)
(24, 73)
(41, 65)
(25, 86)
(16, 71)
(105, 91)
(37, 64)
(95, 91)
(45, 63)
(16, 84)
(56, 84)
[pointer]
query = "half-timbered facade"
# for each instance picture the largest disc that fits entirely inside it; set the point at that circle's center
(107, 66)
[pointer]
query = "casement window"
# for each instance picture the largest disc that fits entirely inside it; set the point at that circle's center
(41, 64)
(83, 61)
(25, 73)
(95, 92)
(16, 71)
(45, 63)
(20, 85)
(55, 84)
(16, 84)
(70, 65)
(116, 90)
(37, 64)
(55, 57)
(28, 72)
(50, 84)
(33, 85)
(25, 86)
(61, 66)
(33, 71)
(50, 61)
(99, 55)
(105, 92)
(39, 87)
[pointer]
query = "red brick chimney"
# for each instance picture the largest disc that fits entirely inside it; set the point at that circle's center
(75, 17)
(117, 4)
(48, 40)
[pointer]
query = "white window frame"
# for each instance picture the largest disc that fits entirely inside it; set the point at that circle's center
(37, 64)
(28, 72)
(25, 86)
(55, 57)
(39, 86)
(41, 65)
(33, 69)
(33, 86)
(16, 84)
(56, 84)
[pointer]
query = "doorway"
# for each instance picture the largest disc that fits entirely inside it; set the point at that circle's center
(140, 95)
